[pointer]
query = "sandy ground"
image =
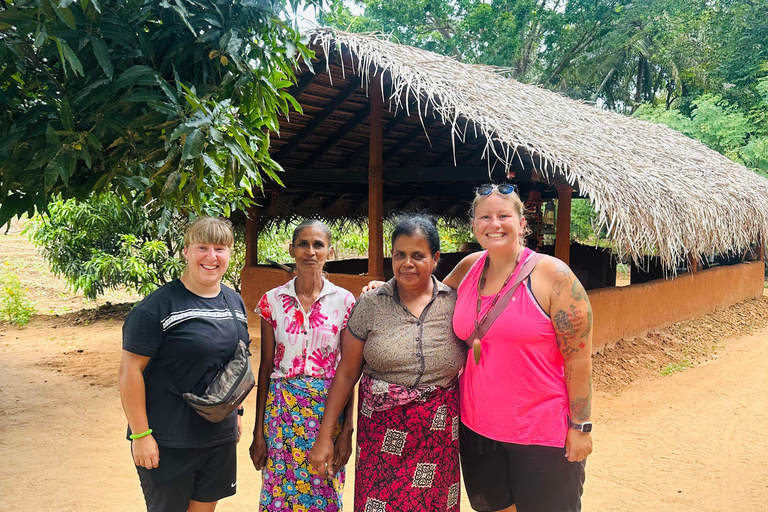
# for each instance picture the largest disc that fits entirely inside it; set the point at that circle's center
(694, 440)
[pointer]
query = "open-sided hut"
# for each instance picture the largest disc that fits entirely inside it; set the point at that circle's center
(387, 127)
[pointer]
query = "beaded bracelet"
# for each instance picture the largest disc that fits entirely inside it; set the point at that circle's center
(139, 436)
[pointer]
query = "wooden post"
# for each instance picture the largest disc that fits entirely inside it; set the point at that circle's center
(693, 263)
(252, 237)
(761, 248)
(375, 185)
(563, 229)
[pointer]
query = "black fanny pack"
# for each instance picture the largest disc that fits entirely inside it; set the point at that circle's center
(228, 388)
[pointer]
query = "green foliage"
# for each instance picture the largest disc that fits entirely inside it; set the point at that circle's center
(583, 221)
(675, 367)
(109, 242)
(721, 126)
(15, 307)
(174, 100)
(351, 240)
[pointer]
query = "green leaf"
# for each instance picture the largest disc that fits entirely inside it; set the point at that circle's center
(180, 130)
(142, 95)
(172, 183)
(52, 172)
(70, 56)
(67, 119)
(194, 145)
(50, 136)
(212, 165)
(130, 75)
(64, 15)
(101, 51)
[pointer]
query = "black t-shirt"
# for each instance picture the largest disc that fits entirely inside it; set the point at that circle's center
(188, 339)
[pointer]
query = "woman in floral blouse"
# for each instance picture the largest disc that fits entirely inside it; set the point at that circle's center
(301, 324)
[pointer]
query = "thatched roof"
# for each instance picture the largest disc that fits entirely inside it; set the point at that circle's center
(655, 189)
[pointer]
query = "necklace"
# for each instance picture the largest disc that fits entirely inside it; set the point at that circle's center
(476, 347)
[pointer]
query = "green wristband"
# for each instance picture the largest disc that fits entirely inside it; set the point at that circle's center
(139, 436)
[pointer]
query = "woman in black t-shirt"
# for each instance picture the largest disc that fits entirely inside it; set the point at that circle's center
(183, 332)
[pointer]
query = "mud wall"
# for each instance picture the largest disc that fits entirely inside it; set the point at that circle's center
(628, 311)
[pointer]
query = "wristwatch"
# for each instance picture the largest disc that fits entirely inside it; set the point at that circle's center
(585, 427)
(241, 411)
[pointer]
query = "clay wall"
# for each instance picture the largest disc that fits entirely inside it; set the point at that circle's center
(628, 311)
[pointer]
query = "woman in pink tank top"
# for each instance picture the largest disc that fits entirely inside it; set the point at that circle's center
(526, 386)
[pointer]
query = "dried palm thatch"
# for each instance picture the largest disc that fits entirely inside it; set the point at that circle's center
(654, 189)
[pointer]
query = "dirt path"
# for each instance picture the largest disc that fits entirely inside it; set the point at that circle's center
(695, 440)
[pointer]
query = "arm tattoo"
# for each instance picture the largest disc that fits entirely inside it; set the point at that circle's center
(578, 292)
(581, 408)
(567, 324)
(562, 280)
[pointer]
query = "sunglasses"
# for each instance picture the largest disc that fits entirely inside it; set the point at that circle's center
(504, 189)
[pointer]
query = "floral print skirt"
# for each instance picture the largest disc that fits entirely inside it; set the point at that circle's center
(407, 455)
(291, 421)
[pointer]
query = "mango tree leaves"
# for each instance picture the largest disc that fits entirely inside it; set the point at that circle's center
(125, 96)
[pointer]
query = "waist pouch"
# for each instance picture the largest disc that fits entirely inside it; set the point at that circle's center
(228, 388)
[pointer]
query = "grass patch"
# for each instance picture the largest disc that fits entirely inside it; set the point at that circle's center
(676, 367)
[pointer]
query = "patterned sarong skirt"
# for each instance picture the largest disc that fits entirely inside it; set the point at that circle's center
(407, 449)
(292, 418)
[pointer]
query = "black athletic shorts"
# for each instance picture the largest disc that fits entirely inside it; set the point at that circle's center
(535, 478)
(184, 474)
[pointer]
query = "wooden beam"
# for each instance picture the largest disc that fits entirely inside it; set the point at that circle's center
(336, 136)
(428, 145)
(302, 198)
(399, 175)
(693, 263)
(410, 137)
(316, 121)
(375, 186)
(307, 78)
(563, 229)
(252, 237)
(393, 123)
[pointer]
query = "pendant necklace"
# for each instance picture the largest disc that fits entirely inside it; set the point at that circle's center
(476, 349)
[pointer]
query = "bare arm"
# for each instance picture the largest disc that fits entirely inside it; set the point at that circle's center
(347, 374)
(342, 448)
(457, 274)
(571, 316)
(258, 447)
(132, 395)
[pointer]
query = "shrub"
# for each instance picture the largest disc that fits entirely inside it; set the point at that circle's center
(15, 307)
(109, 242)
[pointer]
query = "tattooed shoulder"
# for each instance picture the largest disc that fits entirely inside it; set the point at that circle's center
(577, 291)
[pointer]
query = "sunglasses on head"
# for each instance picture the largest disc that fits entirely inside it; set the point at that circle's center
(503, 189)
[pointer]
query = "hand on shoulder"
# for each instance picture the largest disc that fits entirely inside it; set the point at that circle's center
(460, 270)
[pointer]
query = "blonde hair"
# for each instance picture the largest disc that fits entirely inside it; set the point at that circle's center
(210, 230)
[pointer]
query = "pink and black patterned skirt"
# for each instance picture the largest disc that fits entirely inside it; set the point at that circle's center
(407, 449)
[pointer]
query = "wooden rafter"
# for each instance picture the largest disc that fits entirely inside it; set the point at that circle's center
(337, 135)
(393, 123)
(412, 136)
(317, 120)
(307, 78)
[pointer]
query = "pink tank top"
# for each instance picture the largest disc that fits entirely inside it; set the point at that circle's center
(517, 393)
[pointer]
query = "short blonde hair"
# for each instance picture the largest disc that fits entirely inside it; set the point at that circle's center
(210, 230)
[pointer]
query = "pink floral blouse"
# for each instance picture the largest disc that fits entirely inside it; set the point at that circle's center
(306, 344)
